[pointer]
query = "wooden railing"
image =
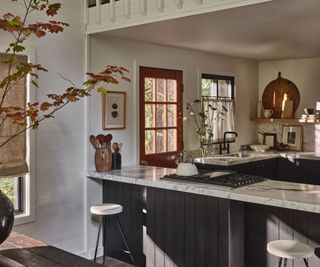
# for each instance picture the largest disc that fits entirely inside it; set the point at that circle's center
(105, 15)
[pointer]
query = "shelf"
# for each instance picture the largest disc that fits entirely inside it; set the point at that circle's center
(279, 120)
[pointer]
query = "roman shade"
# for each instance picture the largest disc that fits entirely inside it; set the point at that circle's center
(13, 154)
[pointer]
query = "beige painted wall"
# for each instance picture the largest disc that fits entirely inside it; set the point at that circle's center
(106, 50)
(305, 73)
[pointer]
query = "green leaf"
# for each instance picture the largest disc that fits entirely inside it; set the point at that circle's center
(19, 48)
(103, 91)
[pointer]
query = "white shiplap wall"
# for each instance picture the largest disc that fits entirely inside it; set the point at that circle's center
(60, 143)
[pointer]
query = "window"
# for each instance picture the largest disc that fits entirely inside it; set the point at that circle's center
(13, 188)
(218, 96)
(17, 157)
(92, 3)
(217, 86)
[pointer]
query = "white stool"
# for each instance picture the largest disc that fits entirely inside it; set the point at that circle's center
(105, 210)
(290, 249)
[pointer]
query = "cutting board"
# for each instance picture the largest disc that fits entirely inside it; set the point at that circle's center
(274, 92)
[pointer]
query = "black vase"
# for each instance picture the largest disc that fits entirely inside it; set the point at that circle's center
(6, 217)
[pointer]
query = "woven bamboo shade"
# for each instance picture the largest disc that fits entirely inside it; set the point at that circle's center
(13, 154)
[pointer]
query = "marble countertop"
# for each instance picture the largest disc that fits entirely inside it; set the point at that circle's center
(233, 159)
(272, 193)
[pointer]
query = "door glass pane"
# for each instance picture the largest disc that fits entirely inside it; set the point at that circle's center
(172, 115)
(161, 90)
(149, 89)
(161, 115)
(150, 141)
(161, 141)
(172, 140)
(172, 90)
(149, 115)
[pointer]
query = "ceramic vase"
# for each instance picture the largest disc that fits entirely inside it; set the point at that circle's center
(6, 217)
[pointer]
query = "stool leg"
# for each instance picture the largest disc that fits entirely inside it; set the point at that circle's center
(104, 237)
(124, 239)
(280, 262)
(97, 244)
(306, 262)
(285, 262)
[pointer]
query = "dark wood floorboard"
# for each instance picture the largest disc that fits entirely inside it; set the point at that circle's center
(110, 262)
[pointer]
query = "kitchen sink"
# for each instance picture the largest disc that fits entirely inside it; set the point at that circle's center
(226, 159)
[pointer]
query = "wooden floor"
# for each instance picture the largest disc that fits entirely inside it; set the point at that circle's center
(110, 262)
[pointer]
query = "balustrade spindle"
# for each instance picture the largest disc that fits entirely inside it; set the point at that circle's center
(143, 7)
(160, 5)
(127, 8)
(98, 11)
(179, 3)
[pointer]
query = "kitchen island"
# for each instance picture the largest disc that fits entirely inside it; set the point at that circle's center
(194, 224)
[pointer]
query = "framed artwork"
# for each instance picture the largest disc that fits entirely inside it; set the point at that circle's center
(114, 110)
(292, 135)
(269, 139)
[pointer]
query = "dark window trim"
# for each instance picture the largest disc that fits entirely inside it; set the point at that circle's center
(219, 77)
(92, 3)
(20, 194)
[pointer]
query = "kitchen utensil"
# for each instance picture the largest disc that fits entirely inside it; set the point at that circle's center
(95, 142)
(274, 92)
(101, 137)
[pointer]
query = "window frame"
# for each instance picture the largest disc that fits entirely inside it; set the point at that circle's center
(221, 78)
(28, 197)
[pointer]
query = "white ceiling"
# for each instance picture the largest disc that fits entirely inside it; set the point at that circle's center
(279, 29)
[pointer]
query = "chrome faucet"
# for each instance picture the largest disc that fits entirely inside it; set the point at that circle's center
(226, 144)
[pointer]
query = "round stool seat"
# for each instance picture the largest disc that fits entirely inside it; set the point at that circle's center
(106, 209)
(290, 249)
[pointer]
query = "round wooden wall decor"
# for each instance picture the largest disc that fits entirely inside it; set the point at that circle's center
(273, 95)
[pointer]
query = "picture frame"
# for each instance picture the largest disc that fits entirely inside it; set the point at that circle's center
(292, 135)
(269, 139)
(114, 110)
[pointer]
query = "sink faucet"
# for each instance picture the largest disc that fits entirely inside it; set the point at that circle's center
(226, 144)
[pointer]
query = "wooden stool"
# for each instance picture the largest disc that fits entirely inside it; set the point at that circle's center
(290, 249)
(107, 210)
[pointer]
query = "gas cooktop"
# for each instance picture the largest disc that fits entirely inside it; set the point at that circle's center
(222, 178)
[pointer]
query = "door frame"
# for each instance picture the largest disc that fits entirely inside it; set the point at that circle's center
(140, 109)
(136, 99)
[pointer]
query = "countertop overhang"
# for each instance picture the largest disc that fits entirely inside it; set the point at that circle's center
(295, 196)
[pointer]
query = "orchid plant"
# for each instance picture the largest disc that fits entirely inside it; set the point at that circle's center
(34, 113)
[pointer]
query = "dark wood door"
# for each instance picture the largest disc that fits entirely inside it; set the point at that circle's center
(160, 116)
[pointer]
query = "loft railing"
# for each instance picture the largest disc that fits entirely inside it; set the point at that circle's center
(104, 15)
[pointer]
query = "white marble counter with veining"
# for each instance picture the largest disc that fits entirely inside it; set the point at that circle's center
(272, 193)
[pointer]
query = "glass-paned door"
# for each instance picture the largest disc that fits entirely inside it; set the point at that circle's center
(160, 116)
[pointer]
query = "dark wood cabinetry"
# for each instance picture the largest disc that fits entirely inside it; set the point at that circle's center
(194, 230)
(299, 171)
(131, 197)
(282, 169)
(197, 230)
